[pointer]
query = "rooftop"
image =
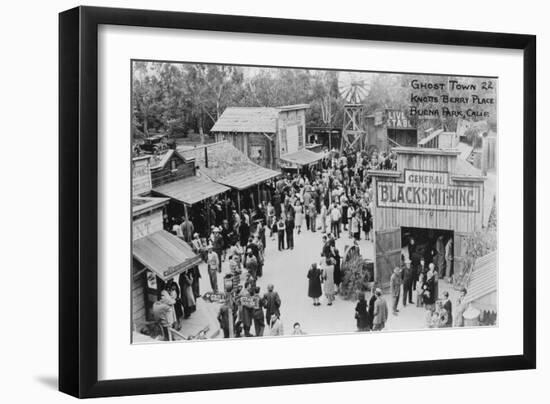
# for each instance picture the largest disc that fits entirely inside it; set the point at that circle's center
(252, 119)
(191, 190)
(302, 157)
(483, 280)
(143, 204)
(160, 160)
(247, 120)
(227, 165)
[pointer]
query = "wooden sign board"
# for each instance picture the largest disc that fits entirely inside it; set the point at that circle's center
(396, 119)
(427, 190)
(215, 297)
(141, 176)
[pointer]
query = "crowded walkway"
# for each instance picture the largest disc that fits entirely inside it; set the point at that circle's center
(270, 252)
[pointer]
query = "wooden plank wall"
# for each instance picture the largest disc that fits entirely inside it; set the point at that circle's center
(141, 178)
(164, 175)
(258, 139)
(138, 296)
(388, 255)
(387, 218)
(146, 224)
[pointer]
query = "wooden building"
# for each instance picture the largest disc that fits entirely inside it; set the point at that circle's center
(224, 164)
(390, 128)
(141, 175)
(157, 257)
(263, 134)
(432, 194)
(439, 139)
(176, 177)
(170, 167)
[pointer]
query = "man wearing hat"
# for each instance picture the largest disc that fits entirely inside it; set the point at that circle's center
(217, 245)
(187, 229)
(407, 276)
(380, 315)
(213, 269)
(395, 288)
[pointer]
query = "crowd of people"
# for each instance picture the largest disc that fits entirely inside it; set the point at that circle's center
(335, 199)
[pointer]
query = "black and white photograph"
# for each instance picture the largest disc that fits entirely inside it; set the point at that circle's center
(281, 202)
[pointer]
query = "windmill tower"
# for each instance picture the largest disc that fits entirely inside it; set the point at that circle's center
(354, 88)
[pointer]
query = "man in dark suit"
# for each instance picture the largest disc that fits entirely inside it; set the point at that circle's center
(289, 228)
(448, 306)
(407, 282)
(415, 257)
(272, 303)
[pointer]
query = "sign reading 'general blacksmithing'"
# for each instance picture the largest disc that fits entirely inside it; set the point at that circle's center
(428, 190)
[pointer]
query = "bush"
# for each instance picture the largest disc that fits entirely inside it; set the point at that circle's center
(477, 245)
(357, 273)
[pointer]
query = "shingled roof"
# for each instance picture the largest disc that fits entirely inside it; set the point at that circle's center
(247, 120)
(484, 278)
(252, 119)
(227, 165)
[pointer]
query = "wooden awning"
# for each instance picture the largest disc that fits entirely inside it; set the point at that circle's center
(302, 157)
(191, 190)
(248, 177)
(227, 165)
(164, 254)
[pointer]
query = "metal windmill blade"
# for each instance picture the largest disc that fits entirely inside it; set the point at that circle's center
(354, 87)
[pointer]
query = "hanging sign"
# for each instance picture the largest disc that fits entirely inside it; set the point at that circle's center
(396, 119)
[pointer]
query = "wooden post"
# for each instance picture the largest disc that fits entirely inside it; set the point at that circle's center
(208, 213)
(230, 315)
(259, 198)
(226, 208)
(484, 154)
(186, 218)
(239, 201)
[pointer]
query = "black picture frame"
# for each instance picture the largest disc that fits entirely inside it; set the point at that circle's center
(78, 196)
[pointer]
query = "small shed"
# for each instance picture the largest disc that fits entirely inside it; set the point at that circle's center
(482, 288)
(263, 134)
(170, 166)
(390, 128)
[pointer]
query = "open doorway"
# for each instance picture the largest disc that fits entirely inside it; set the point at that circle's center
(432, 245)
(403, 137)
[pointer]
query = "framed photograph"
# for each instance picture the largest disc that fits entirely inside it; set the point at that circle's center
(251, 201)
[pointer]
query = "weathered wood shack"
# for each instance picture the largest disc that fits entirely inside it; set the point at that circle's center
(432, 190)
(390, 128)
(263, 134)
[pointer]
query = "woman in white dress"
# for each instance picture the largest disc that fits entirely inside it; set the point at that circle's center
(328, 280)
(298, 216)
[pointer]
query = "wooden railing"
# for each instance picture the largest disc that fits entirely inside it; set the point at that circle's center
(432, 140)
(393, 142)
